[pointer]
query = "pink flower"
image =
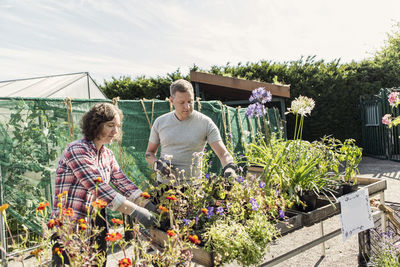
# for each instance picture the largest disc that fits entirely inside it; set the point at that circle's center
(394, 98)
(387, 119)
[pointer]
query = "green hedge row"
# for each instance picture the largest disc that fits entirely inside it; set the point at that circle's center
(336, 87)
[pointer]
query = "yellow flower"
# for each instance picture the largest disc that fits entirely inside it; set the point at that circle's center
(3, 207)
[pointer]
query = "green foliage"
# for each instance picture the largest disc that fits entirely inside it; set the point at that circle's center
(335, 86)
(141, 87)
(30, 144)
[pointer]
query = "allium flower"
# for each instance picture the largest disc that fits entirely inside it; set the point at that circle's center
(387, 119)
(256, 109)
(302, 105)
(113, 237)
(260, 95)
(125, 262)
(220, 210)
(145, 195)
(240, 179)
(261, 184)
(394, 98)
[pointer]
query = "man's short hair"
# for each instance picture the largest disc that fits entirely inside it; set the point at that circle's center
(182, 86)
(93, 121)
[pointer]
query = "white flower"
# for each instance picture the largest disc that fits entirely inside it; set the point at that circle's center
(302, 105)
(45, 131)
(168, 157)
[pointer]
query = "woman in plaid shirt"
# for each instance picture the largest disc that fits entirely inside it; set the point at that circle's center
(86, 170)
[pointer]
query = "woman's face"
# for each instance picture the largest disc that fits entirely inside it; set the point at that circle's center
(109, 131)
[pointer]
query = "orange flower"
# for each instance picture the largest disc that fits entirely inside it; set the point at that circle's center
(125, 262)
(113, 237)
(171, 233)
(163, 209)
(83, 226)
(68, 212)
(3, 207)
(53, 223)
(194, 239)
(98, 180)
(36, 252)
(205, 211)
(145, 195)
(42, 206)
(117, 221)
(58, 250)
(172, 197)
(101, 204)
(80, 221)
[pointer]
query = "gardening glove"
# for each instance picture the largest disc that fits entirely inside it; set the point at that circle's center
(230, 170)
(138, 214)
(162, 167)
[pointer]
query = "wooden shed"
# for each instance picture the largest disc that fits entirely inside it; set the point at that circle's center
(236, 92)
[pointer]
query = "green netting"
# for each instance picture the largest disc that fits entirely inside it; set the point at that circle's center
(34, 132)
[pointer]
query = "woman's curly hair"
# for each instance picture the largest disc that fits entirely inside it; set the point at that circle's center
(93, 121)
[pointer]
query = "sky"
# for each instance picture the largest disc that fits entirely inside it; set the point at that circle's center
(117, 38)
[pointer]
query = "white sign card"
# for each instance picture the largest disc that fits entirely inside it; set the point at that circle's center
(356, 215)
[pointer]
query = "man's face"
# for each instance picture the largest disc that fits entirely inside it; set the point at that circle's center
(109, 131)
(183, 103)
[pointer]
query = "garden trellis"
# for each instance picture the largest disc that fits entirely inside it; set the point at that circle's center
(35, 131)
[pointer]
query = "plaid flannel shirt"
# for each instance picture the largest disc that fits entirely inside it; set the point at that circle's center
(77, 170)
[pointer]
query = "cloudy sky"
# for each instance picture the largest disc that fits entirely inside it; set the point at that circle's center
(155, 37)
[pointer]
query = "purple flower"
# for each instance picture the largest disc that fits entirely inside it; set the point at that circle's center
(220, 210)
(186, 221)
(261, 184)
(210, 211)
(281, 214)
(277, 192)
(229, 135)
(210, 163)
(240, 179)
(246, 185)
(254, 204)
(255, 109)
(207, 175)
(196, 220)
(260, 95)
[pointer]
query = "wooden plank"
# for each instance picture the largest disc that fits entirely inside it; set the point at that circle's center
(246, 85)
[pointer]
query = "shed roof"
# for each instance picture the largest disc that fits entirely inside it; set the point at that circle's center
(235, 87)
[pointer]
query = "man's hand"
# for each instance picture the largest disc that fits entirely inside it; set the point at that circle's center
(229, 170)
(162, 167)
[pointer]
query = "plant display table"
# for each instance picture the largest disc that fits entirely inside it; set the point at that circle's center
(297, 220)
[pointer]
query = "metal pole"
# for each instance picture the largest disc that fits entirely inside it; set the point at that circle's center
(323, 254)
(2, 227)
